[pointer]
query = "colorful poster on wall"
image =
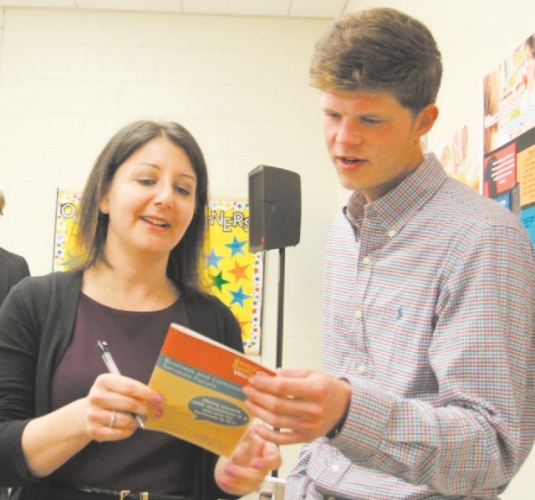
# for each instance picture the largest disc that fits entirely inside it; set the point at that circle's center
(509, 134)
(67, 244)
(509, 97)
(461, 155)
(235, 274)
(232, 273)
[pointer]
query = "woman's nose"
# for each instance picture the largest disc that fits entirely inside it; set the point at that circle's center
(164, 194)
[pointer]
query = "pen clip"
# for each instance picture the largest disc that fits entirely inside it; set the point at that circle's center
(103, 346)
(106, 356)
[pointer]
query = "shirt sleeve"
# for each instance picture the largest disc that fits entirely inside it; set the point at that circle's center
(476, 433)
(297, 481)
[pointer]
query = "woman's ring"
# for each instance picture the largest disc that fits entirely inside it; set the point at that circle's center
(112, 419)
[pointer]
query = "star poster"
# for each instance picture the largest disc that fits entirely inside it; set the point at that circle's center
(234, 274)
(231, 272)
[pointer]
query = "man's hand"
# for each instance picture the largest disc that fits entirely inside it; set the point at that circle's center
(300, 404)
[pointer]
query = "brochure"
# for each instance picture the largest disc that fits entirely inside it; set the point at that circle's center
(201, 381)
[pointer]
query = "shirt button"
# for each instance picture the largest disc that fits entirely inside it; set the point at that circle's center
(358, 314)
(361, 369)
(335, 468)
(391, 233)
(366, 260)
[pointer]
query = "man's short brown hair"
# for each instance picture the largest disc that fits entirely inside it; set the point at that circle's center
(381, 50)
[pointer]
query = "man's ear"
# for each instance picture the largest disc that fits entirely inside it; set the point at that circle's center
(426, 119)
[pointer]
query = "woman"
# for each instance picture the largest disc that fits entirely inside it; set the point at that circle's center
(67, 429)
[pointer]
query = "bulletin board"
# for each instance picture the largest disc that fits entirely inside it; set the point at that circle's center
(509, 134)
(232, 273)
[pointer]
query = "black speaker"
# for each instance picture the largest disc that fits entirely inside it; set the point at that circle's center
(274, 208)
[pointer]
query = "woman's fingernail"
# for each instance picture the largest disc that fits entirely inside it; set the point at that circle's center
(158, 413)
(158, 398)
(230, 470)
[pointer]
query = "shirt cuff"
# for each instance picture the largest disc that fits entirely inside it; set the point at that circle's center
(367, 421)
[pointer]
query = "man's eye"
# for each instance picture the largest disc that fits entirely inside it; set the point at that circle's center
(370, 121)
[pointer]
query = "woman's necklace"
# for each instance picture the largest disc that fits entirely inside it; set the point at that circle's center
(114, 294)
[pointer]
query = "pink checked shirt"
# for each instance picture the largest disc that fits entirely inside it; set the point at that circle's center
(429, 307)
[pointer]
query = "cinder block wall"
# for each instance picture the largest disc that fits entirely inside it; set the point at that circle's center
(70, 78)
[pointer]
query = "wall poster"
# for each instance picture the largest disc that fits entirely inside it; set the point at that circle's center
(461, 155)
(509, 134)
(232, 273)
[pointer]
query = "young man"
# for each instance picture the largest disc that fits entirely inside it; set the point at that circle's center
(429, 300)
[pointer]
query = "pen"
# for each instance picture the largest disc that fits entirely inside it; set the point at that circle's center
(112, 368)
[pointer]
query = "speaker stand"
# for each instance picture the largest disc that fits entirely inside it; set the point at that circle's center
(280, 321)
(280, 307)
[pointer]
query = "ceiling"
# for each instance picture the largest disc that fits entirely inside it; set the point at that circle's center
(279, 8)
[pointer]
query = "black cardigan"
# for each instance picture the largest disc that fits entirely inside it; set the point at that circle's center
(36, 325)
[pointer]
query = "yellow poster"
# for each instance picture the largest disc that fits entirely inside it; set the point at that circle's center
(233, 274)
(525, 161)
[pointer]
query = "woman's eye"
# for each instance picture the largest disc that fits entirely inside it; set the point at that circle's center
(146, 182)
(332, 115)
(182, 190)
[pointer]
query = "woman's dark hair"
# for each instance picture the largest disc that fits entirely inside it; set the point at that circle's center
(185, 258)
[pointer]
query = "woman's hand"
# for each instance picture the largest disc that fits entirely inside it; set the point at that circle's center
(248, 465)
(103, 415)
(112, 404)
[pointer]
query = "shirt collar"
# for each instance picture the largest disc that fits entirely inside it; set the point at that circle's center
(398, 206)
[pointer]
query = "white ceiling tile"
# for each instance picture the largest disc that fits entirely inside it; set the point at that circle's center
(145, 5)
(281, 8)
(317, 8)
(239, 7)
(39, 3)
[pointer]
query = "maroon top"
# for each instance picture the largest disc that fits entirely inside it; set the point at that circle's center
(148, 460)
